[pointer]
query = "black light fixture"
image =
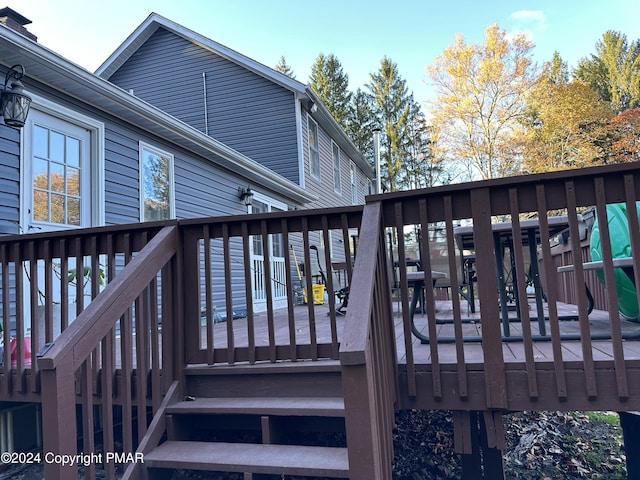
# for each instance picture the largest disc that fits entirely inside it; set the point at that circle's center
(246, 195)
(15, 104)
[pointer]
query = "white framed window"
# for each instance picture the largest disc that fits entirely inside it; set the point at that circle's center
(157, 191)
(62, 175)
(314, 149)
(354, 184)
(337, 181)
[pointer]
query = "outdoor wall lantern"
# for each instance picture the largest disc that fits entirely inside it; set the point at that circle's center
(245, 195)
(15, 104)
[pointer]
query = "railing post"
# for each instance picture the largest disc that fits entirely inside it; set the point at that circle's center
(365, 374)
(362, 434)
(495, 380)
(59, 434)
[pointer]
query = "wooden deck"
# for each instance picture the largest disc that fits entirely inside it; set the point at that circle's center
(161, 276)
(512, 346)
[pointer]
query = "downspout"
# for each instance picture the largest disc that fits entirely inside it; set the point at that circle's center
(204, 98)
(299, 132)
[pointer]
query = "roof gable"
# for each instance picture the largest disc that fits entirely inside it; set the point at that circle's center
(155, 21)
(301, 91)
(51, 69)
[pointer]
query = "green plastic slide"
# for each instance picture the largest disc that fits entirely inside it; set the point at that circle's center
(620, 247)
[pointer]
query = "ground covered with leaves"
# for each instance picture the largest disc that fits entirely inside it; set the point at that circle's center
(540, 446)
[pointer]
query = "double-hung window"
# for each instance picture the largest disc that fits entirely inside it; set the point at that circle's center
(314, 150)
(156, 184)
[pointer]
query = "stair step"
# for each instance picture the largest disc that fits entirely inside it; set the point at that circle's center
(289, 406)
(250, 458)
(284, 367)
(284, 379)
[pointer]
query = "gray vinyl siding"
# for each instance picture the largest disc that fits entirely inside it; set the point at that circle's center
(122, 183)
(9, 179)
(201, 188)
(245, 111)
(323, 187)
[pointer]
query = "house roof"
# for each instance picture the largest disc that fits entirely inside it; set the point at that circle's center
(302, 91)
(57, 72)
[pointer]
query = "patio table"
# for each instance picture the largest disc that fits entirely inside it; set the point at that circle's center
(503, 239)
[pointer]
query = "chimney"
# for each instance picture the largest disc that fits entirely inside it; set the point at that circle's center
(15, 21)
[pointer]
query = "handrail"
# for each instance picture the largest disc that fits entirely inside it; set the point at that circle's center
(357, 327)
(368, 357)
(279, 262)
(88, 345)
(79, 339)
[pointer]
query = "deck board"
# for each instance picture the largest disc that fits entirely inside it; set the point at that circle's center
(513, 351)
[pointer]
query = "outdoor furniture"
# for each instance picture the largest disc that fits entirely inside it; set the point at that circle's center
(416, 281)
(626, 263)
(504, 241)
(339, 291)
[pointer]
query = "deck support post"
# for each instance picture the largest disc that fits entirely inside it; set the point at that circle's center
(59, 435)
(481, 446)
(362, 434)
(630, 423)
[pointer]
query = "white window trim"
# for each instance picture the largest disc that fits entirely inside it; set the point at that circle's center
(353, 182)
(337, 182)
(142, 146)
(97, 155)
(313, 174)
(299, 131)
(270, 201)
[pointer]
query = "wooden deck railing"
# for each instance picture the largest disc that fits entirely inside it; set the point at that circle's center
(139, 303)
(119, 348)
(563, 255)
(258, 269)
(149, 299)
(368, 357)
(437, 214)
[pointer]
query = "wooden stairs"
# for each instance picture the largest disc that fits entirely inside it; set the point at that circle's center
(264, 421)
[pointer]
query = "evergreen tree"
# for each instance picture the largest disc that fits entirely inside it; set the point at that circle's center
(284, 67)
(614, 71)
(331, 84)
(393, 102)
(422, 167)
(361, 123)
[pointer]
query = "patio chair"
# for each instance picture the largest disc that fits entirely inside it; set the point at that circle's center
(341, 292)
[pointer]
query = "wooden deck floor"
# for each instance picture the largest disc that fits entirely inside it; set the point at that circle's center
(513, 350)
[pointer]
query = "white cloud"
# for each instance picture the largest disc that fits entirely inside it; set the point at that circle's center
(529, 20)
(528, 23)
(529, 15)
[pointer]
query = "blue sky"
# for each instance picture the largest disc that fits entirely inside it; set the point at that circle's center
(411, 32)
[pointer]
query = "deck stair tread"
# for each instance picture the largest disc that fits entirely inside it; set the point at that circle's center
(290, 406)
(307, 366)
(254, 458)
